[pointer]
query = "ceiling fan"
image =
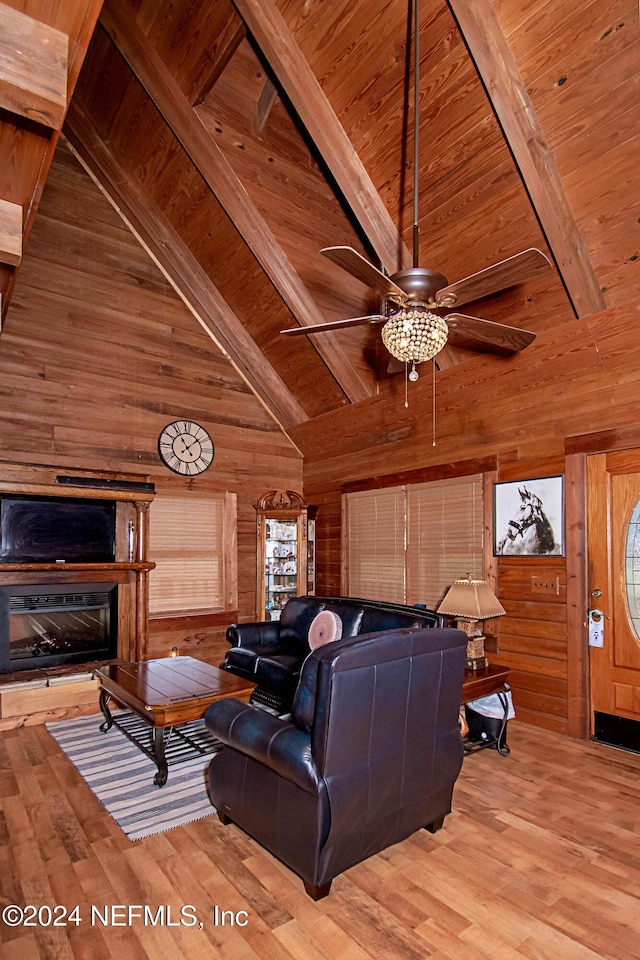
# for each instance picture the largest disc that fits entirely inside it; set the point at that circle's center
(412, 331)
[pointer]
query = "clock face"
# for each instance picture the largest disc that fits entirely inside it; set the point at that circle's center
(185, 447)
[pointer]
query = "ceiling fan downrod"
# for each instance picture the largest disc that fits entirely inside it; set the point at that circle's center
(414, 333)
(416, 129)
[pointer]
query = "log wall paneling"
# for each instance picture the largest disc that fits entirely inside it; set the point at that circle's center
(99, 354)
(147, 161)
(542, 636)
(532, 638)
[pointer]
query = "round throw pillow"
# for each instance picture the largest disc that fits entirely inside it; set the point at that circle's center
(325, 628)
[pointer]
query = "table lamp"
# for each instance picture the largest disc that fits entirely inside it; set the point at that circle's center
(469, 601)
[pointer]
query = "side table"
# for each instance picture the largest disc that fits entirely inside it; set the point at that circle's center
(482, 683)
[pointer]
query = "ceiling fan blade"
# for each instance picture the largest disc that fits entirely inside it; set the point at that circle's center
(501, 275)
(360, 268)
(395, 366)
(487, 336)
(333, 325)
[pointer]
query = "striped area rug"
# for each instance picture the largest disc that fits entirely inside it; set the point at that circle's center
(121, 776)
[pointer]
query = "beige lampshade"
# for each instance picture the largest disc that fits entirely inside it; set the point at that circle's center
(471, 599)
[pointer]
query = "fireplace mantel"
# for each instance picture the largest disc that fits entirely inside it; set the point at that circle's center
(132, 495)
(133, 593)
(56, 692)
(6, 568)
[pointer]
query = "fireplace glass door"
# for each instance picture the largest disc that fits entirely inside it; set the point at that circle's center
(51, 625)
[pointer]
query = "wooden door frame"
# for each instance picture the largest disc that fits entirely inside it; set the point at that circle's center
(578, 699)
(612, 480)
(577, 449)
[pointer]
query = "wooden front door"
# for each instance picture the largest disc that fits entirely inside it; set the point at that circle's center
(614, 565)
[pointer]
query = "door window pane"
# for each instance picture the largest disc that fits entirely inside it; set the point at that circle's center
(632, 568)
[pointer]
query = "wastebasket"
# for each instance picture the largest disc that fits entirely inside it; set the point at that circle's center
(487, 719)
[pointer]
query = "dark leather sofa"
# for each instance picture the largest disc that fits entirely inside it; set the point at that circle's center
(271, 653)
(370, 752)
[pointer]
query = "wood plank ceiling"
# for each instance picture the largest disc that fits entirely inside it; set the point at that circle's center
(238, 138)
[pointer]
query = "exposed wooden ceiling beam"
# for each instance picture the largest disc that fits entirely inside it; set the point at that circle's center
(221, 179)
(10, 233)
(31, 150)
(33, 68)
(278, 45)
(182, 270)
(227, 43)
(488, 47)
(267, 101)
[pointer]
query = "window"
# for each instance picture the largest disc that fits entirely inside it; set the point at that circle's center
(445, 527)
(375, 537)
(192, 542)
(409, 543)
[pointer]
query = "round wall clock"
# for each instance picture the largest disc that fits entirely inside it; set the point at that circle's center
(185, 447)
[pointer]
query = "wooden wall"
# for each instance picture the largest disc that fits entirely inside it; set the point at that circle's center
(99, 353)
(533, 637)
(573, 392)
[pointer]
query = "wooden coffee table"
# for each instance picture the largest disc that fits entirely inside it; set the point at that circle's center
(165, 694)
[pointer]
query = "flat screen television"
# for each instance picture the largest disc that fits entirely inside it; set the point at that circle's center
(56, 529)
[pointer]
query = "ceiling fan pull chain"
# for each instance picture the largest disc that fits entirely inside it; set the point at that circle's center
(433, 405)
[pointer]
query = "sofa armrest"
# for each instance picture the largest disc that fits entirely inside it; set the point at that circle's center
(277, 744)
(254, 635)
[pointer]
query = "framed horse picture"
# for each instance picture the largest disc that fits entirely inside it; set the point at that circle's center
(528, 518)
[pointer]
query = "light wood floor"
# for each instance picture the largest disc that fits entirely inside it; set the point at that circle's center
(539, 860)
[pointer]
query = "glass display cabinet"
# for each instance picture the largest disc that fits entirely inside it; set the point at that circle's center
(286, 551)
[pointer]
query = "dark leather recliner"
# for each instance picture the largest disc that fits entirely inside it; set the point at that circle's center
(272, 652)
(370, 754)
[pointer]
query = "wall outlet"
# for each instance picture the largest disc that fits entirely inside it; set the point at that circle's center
(545, 585)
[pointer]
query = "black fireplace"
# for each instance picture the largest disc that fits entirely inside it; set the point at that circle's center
(49, 625)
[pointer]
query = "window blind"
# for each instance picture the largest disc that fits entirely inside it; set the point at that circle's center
(375, 562)
(445, 527)
(409, 543)
(186, 542)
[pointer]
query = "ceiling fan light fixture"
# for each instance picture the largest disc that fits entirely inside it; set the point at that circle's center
(414, 335)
